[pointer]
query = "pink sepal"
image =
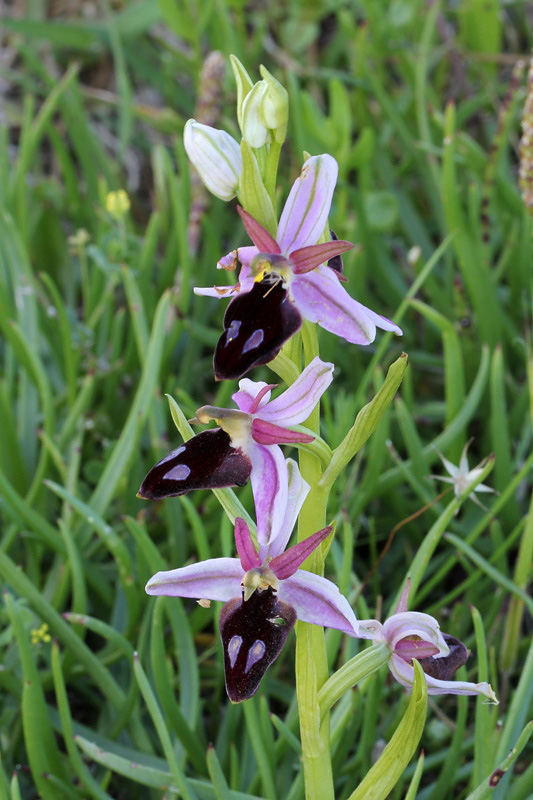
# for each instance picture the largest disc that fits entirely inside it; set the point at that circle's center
(403, 602)
(267, 433)
(245, 546)
(264, 242)
(286, 564)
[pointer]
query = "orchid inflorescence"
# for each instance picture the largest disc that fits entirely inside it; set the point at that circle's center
(290, 276)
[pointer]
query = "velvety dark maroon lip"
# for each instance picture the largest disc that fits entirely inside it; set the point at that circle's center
(444, 667)
(256, 325)
(253, 633)
(207, 461)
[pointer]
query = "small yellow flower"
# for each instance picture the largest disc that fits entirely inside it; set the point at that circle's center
(117, 204)
(40, 634)
(79, 239)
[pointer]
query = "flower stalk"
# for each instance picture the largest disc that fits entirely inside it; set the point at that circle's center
(311, 658)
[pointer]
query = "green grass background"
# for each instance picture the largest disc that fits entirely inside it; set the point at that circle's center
(420, 103)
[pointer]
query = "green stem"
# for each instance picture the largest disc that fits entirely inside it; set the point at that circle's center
(360, 666)
(271, 171)
(311, 658)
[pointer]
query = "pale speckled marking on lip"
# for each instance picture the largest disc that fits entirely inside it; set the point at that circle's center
(255, 654)
(233, 649)
(178, 473)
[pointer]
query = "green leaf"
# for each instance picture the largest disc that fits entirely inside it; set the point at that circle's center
(365, 423)
(252, 192)
(43, 755)
(486, 789)
(387, 771)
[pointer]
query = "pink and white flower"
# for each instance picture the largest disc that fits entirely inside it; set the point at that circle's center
(264, 592)
(294, 261)
(413, 634)
(246, 445)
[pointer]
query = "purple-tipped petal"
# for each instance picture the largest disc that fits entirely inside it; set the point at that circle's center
(320, 298)
(404, 674)
(298, 489)
(214, 579)
(269, 485)
(317, 600)
(306, 211)
(307, 258)
(267, 433)
(261, 238)
(245, 546)
(298, 401)
(246, 397)
(286, 564)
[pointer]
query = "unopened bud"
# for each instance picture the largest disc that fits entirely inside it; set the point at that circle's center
(265, 112)
(216, 156)
(243, 83)
(254, 128)
(275, 106)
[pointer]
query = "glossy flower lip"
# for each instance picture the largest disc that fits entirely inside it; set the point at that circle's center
(246, 445)
(264, 575)
(313, 287)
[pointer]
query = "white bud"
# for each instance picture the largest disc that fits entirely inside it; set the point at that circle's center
(275, 105)
(216, 156)
(254, 129)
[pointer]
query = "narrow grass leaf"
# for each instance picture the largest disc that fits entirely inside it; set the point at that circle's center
(43, 756)
(15, 577)
(165, 690)
(365, 423)
(264, 764)
(515, 613)
(487, 787)
(483, 734)
(162, 731)
(220, 785)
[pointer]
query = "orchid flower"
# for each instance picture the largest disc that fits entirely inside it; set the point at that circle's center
(289, 278)
(462, 476)
(413, 634)
(245, 445)
(264, 593)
